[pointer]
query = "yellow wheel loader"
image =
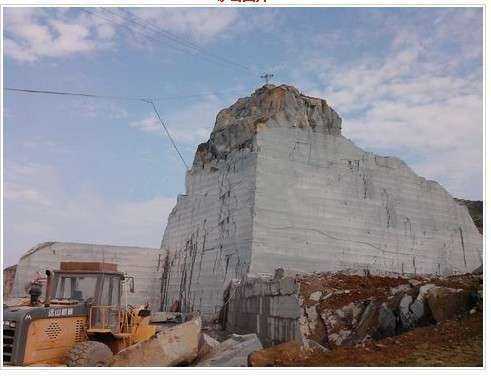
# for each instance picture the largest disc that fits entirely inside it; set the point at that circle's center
(81, 322)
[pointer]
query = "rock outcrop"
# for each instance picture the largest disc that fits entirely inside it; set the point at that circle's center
(355, 308)
(277, 185)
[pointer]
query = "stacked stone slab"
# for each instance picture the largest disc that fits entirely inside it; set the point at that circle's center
(266, 306)
(277, 185)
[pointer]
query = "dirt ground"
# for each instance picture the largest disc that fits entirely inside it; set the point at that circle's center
(454, 343)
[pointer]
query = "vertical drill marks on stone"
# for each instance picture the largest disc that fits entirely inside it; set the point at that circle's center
(277, 185)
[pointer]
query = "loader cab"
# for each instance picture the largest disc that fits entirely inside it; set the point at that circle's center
(91, 282)
(97, 285)
(83, 303)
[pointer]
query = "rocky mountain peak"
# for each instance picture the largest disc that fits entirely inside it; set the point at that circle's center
(269, 106)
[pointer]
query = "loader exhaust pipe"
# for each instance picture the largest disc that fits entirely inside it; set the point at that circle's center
(49, 278)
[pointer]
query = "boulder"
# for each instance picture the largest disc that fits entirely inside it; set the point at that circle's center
(401, 288)
(315, 296)
(172, 346)
(368, 321)
(405, 314)
(206, 345)
(377, 321)
(447, 303)
(232, 352)
(386, 323)
(418, 311)
(308, 320)
(423, 290)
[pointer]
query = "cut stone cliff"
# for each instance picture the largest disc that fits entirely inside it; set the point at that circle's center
(277, 185)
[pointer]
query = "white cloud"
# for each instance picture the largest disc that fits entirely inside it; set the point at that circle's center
(199, 24)
(418, 99)
(149, 124)
(38, 208)
(19, 193)
(34, 33)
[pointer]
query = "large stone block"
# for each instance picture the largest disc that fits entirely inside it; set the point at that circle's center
(278, 187)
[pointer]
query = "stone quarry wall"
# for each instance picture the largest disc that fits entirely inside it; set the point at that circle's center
(277, 185)
(266, 306)
(208, 236)
(144, 264)
(323, 204)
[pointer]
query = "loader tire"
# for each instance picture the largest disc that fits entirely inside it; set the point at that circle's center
(89, 354)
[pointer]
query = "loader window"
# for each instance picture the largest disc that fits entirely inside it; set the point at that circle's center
(110, 291)
(76, 287)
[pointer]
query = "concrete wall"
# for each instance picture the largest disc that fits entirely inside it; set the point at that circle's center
(323, 204)
(209, 233)
(265, 306)
(141, 263)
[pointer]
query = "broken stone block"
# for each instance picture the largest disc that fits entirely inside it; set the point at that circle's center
(232, 352)
(405, 313)
(400, 288)
(288, 286)
(423, 290)
(315, 296)
(358, 309)
(386, 323)
(260, 287)
(285, 306)
(171, 346)
(415, 282)
(378, 321)
(308, 321)
(207, 345)
(446, 303)
(417, 310)
(274, 288)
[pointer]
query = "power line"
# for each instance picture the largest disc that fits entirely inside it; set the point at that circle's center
(207, 56)
(86, 95)
(168, 133)
(176, 38)
(113, 21)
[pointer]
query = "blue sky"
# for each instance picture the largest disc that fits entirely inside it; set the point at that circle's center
(407, 82)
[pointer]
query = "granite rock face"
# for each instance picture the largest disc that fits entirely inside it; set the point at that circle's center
(277, 185)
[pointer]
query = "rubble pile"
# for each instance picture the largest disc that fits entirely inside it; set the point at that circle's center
(344, 310)
(372, 320)
(181, 340)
